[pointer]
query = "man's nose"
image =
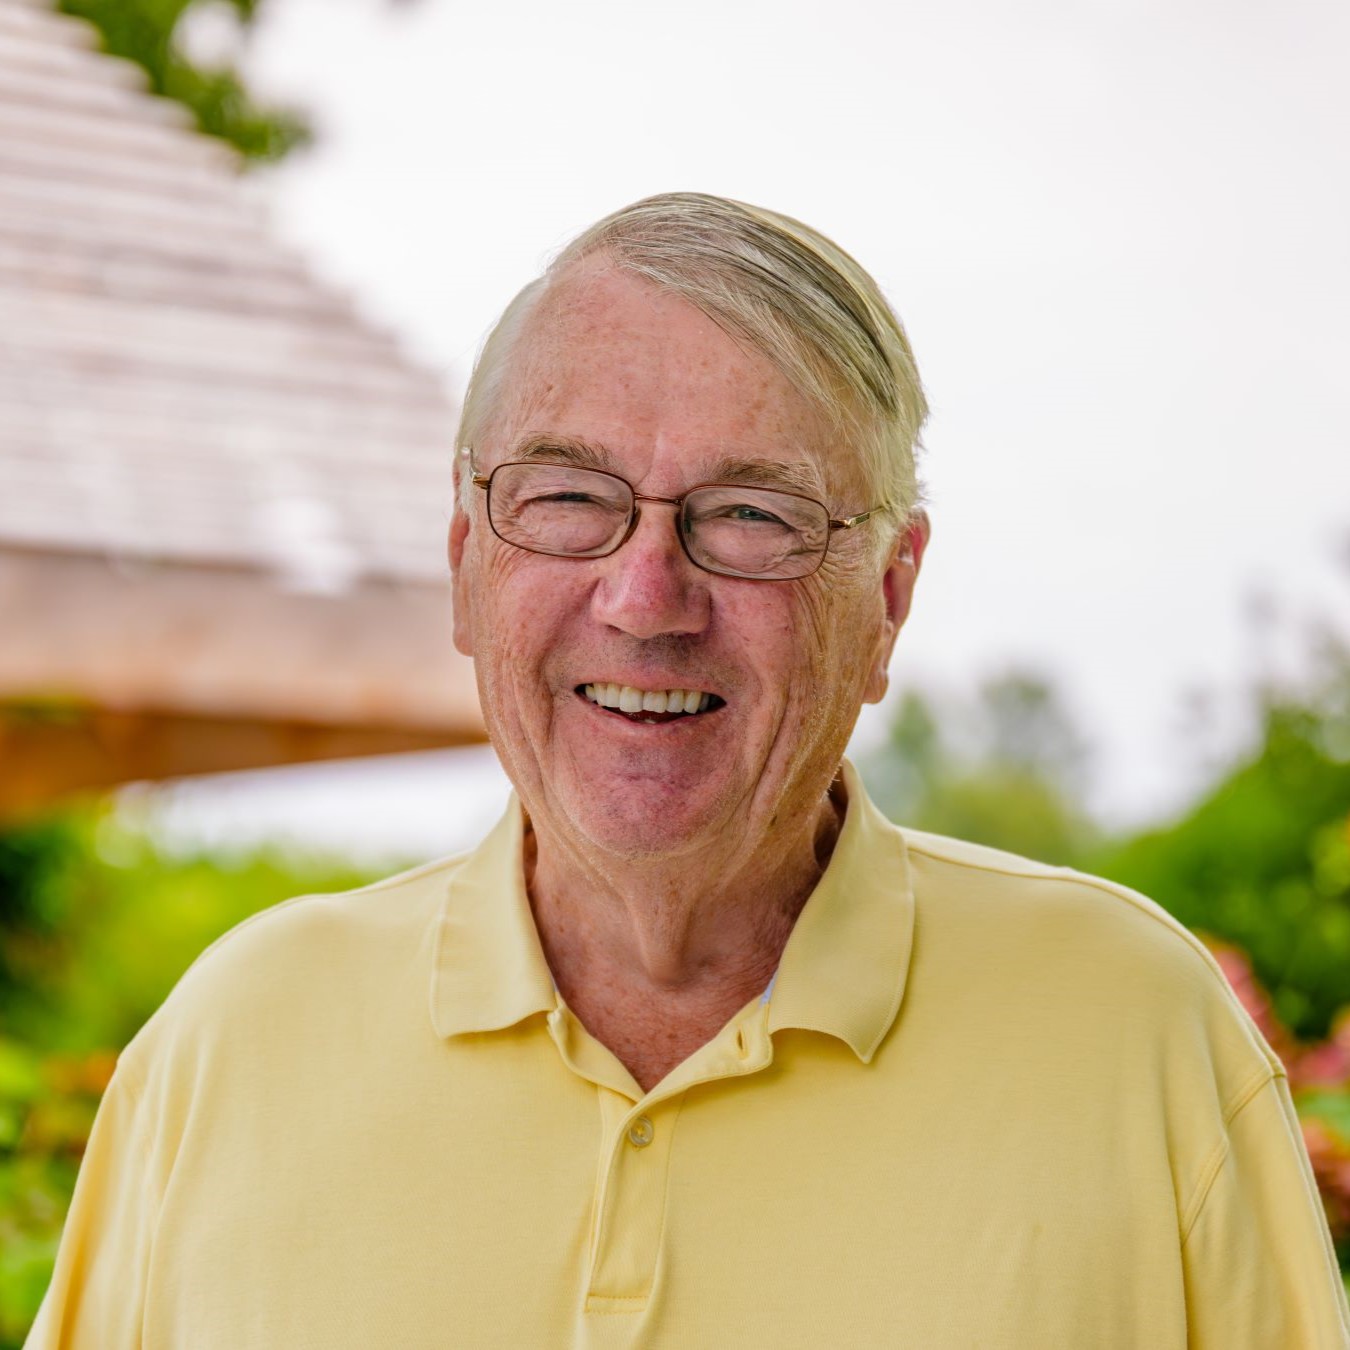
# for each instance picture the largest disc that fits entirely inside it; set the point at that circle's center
(648, 586)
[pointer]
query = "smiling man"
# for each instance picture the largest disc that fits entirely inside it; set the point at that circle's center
(668, 518)
(697, 1049)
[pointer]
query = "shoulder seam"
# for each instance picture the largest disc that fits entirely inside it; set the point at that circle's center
(1048, 871)
(128, 1080)
(1213, 1164)
(411, 874)
(1033, 871)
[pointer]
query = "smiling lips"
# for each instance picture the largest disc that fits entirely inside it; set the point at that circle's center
(643, 705)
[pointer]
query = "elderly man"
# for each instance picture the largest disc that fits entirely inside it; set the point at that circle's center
(697, 1049)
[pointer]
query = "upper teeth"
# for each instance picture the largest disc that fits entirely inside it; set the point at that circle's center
(627, 699)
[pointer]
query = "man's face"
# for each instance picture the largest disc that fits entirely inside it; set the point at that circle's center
(643, 384)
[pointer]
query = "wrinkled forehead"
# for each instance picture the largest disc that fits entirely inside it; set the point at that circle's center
(609, 360)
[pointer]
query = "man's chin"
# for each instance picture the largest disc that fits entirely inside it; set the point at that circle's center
(646, 820)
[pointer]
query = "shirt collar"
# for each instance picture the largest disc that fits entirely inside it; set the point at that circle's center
(844, 967)
(842, 973)
(488, 971)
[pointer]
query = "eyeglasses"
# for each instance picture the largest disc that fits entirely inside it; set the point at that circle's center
(761, 534)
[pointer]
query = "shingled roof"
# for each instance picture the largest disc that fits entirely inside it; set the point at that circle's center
(197, 436)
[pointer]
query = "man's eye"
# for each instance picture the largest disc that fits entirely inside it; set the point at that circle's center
(751, 515)
(564, 499)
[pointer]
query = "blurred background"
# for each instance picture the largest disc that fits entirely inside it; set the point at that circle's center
(247, 252)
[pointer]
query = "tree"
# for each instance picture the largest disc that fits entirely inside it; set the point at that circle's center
(1007, 771)
(144, 31)
(1263, 859)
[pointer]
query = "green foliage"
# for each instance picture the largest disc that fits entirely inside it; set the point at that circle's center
(1332, 1108)
(1263, 860)
(143, 31)
(30, 860)
(44, 1119)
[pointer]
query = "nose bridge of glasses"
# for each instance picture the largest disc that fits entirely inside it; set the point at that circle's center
(635, 516)
(676, 502)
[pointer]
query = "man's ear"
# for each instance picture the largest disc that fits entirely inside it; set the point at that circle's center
(897, 589)
(461, 608)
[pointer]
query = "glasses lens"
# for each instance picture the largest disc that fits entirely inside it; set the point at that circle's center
(754, 532)
(551, 508)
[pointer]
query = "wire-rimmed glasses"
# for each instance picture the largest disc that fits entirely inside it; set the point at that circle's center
(565, 511)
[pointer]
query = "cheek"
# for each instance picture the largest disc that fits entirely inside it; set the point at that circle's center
(839, 613)
(814, 624)
(810, 651)
(838, 623)
(515, 612)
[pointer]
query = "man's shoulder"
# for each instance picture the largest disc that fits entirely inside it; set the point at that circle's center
(1022, 887)
(319, 924)
(315, 951)
(1057, 910)
(1083, 943)
(943, 848)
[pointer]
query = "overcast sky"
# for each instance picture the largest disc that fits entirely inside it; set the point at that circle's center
(1117, 231)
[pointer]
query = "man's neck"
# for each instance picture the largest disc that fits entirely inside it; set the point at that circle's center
(654, 957)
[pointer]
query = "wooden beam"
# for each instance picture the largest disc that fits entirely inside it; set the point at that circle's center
(51, 754)
(113, 672)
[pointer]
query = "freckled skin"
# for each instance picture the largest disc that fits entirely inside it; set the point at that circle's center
(668, 863)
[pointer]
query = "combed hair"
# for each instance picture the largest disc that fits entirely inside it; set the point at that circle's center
(787, 291)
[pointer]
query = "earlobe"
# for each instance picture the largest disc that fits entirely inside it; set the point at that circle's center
(877, 686)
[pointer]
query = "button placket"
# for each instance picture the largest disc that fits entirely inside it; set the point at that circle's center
(630, 1203)
(636, 1142)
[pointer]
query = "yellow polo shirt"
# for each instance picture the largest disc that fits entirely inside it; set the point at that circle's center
(986, 1103)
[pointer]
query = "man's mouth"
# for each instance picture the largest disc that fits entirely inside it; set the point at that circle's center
(650, 705)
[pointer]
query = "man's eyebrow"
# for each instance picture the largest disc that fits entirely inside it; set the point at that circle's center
(747, 470)
(790, 476)
(564, 450)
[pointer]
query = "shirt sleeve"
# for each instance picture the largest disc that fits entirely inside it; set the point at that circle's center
(1259, 1266)
(97, 1293)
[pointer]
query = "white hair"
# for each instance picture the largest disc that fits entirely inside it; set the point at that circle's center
(790, 293)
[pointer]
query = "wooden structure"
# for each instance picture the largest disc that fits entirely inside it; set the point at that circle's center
(223, 494)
